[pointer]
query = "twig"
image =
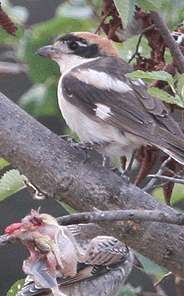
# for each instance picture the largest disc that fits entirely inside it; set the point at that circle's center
(151, 184)
(4, 239)
(165, 276)
(124, 215)
(139, 41)
(159, 185)
(158, 288)
(173, 46)
(101, 23)
(171, 179)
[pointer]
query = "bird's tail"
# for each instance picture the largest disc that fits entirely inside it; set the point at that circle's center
(172, 144)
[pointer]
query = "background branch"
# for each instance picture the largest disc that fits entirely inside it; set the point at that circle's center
(173, 46)
(151, 184)
(7, 68)
(59, 169)
(166, 178)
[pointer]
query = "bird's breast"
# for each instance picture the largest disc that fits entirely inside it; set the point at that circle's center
(109, 139)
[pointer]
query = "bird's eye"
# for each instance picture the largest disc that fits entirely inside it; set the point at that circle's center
(73, 45)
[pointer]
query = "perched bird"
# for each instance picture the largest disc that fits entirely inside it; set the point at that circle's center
(105, 108)
(63, 264)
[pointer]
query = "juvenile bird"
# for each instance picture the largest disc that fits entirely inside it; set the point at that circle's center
(59, 265)
(105, 108)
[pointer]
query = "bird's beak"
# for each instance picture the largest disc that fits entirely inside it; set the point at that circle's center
(48, 51)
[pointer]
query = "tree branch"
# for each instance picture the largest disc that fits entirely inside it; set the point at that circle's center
(151, 184)
(125, 215)
(173, 46)
(12, 68)
(166, 178)
(59, 169)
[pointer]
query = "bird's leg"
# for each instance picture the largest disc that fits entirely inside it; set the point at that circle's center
(119, 170)
(127, 171)
(124, 173)
(84, 146)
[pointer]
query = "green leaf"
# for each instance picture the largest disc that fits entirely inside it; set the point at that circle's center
(39, 69)
(69, 209)
(33, 100)
(154, 5)
(41, 99)
(180, 85)
(154, 75)
(3, 163)
(164, 96)
(15, 288)
(167, 56)
(77, 10)
(149, 266)
(126, 10)
(128, 290)
(177, 193)
(59, 26)
(129, 46)
(68, 131)
(10, 183)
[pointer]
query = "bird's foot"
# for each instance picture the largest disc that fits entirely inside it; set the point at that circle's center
(84, 146)
(125, 174)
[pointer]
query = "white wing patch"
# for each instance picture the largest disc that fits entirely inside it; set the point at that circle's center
(102, 111)
(101, 80)
(138, 82)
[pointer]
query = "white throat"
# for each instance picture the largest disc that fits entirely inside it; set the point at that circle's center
(68, 62)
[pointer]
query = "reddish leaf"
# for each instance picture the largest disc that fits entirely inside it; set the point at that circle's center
(147, 156)
(109, 9)
(6, 23)
(168, 188)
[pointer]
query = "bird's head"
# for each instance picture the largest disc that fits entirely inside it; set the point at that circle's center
(36, 219)
(76, 48)
(31, 222)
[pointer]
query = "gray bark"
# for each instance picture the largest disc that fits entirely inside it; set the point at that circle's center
(59, 169)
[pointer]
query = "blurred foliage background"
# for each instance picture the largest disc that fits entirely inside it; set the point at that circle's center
(39, 23)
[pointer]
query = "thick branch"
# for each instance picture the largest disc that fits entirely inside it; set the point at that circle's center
(59, 169)
(173, 46)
